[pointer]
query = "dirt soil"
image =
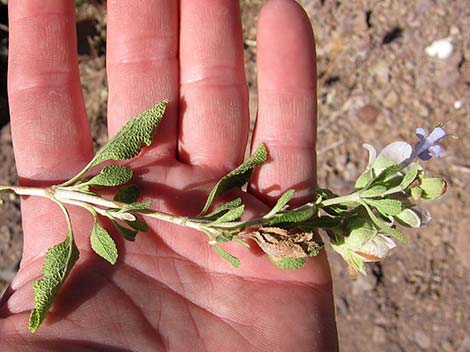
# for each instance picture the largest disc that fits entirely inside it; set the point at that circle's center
(376, 84)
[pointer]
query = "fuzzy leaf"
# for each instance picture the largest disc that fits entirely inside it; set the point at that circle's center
(409, 218)
(295, 216)
(57, 265)
(133, 136)
(237, 177)
(386, 206)
(231, 215)
(136, 206)
(288, 263)
(384, 226)
(227, 256)
(223, 208)
(281, 203)
(138, 225)
(128, 234)
(410, 176)
(110, 176)
(128, 194)
(103, 244)
(416, 192)
(375, 191)
(432, 187)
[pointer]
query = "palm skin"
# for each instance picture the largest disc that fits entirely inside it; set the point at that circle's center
(169, 290)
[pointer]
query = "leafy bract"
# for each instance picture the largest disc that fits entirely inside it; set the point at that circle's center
(59, 261)
(382, 225)
(103, 244)
(127, 233)
(231, 215)
(281, 203)
(223, 208)
(133, 136)
(128, 194)
(288, 263)
(386, 206)
(113, 175)
(410, 176)
(237, 177)
(227, 256)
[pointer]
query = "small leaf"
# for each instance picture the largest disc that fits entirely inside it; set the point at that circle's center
(375, 191)
(138, 225)
(409, 218)
(133, 136)
(57, 265)
(223, 208)
(364, 179)
(387, 174)
(321, 222)
(384, 226)
(416, 193)
(136, 206)
(127, 233)
(432, 187)
(295, 216)
(281, 203)
(237, 177)
(113, 175)
(103, 244)
(128, 194)
(231, 215)
(227, 256)
(288, 263)
(386, 206)
(410, 176)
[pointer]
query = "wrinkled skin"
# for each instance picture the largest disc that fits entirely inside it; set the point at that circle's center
(169, 290)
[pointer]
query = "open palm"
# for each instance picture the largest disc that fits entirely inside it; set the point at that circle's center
(169, 290)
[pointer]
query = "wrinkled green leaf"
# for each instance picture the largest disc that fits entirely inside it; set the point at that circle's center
(133, 136)
(295, 216)
(384, 226)
(113, 175)
(128, 234)
(227, 256)
(136, 206)
(410, 176)
(103, 244)
(321, 222)
(231, 215)
(364, 179)
(432, 187)
(416, 192)
(237, 177)
(281, 203)
(375, 191)
(223, 208)
(386, 206)
(128, 194)
(288, 263)
(57, 265)
(138, 225)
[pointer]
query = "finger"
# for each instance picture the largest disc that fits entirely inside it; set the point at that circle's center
(142, 64)
(50, 131)
(287, 100)
(214, 97)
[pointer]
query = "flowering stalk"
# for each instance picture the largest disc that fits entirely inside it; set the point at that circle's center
(360, 226)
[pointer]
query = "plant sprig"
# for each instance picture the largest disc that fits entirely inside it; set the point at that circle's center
(360, 226)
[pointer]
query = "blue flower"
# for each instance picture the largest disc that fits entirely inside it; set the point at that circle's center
(427, 147)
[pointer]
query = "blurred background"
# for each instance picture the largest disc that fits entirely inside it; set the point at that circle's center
(384, 68)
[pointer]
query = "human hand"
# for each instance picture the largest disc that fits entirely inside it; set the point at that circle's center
(169, 290)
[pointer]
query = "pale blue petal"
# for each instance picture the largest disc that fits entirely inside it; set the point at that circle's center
(421, 133)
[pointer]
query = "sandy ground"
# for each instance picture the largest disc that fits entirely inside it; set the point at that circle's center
(376, 84)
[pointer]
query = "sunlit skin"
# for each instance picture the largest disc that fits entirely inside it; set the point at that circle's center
(168, 291)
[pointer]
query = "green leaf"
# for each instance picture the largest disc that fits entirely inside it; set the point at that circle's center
(384, 226)
(138, 225)
(57, 265)
(387, 174)
(288, 263)
(386, 206)
(360, 231)
(136, 206)
(231, 215)
(364, 179)
(416, 192)
(227, 256)
(295, 216)
(281, 203)
(103, 244)
(321, 222)
(110, 176)
(133, 136)
(375, 191)
(223, 208)
(432, 187)
(128, 194)
(410, 176)
(237, 177)
(128, 234)
(409, 218)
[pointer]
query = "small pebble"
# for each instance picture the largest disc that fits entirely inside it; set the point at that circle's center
(368, 114)
(441, 48)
